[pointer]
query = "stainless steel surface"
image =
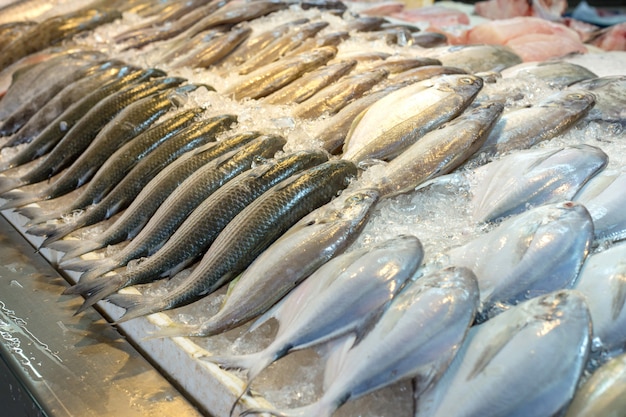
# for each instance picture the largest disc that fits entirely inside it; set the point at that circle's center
(71, 365)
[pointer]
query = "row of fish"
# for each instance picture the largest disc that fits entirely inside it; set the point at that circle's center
(184, 191)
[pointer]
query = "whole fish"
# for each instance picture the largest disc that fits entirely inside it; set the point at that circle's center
(532, 178)
(279, 47)
(69, 95)
(525, 362)
(417, 109)
(184, 200)
(421, 73)
(603, 197)
(201, 227)
(610, 93)
(86, 129)
(523, 128)
(276, 75)
(336, 96)
(416, 337)
(397, 65)
(602, 280)
(438, 151)
(126, 125)
(216, 49)
(365, 23)
(125, 192)
(343, 297)
(603, 393)
(305, 247)
(528, 255)
(153, 191)
(310, 83)
(475, 58)
(54, 30)
(32, 81)
(247, 235)
(257, 43)
(58, 128)
(429, 39)
(144, 37)
(557, 74)
(328, 39)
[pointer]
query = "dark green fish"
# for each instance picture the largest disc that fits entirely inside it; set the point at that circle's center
(200, 229)
(125, 192)
(151, 198)
(54, 30)
(248, 234)
(86, 129)
(55, 131)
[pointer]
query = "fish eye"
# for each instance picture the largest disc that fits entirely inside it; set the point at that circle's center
(466, 80)
(576, 95)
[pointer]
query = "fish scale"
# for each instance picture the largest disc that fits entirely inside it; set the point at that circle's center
(192, 137)
(152, 196)
(199, 230)
(248, 234)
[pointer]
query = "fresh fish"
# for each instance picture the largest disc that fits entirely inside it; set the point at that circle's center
(279, 47)
(438, 151)
(416, 337)
(27, 83)
(247, 235)
(151, 192)
(328, 39)
(310, 83)
(182, 202)
(610, 93)
(557, 74)
(215, 49)
(417, 109)
(141, 38)
(365, 23)
(603, 197)
(602, 280)
(123, 194)
(58, 128)
(257, 43)
(12, 30)
(333, 130)
(86, 129)
(532, 178)
(24, 10)
(475, 58)
(528, 255)
(305, 247)
(69, 95)
(397, 65)
(525, 362)
(343, 297)
(235, 12)
(126, 125)
(333, 98)
(274, 76)
(54, 30)
(199, 230)
(429, 39)
(525, 127)
(604, 393)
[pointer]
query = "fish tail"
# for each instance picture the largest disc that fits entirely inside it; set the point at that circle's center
(136, 305)
(18, 199)
(253, 363)
(30, 212)
(172, 330)
(99, 289)
(53, 232)
(9, 183)
(100, 268)
(73, 249)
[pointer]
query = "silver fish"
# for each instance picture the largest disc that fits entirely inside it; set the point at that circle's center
(417, 336)
(604, 198)
(610, 94)
(531, 178)
(602, 280)
(557, 74)
(525, 127)
(528, 255)
(215, 49)
(525, 362)
(604, 393)
(342, 297)
(416, 109)
(475, 58)
(306, 246)
(439, 151)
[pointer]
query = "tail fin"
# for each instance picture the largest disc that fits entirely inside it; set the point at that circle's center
(136, 305)
(99, 289)
(39, 216)
(9, 183)
(30, 212)
(18, 199)
(54, 232)
(102, 267)
(73, 249)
